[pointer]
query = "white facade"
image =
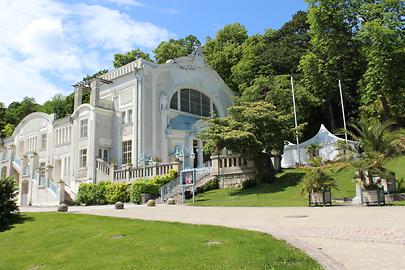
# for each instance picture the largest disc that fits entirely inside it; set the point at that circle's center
(139, 112)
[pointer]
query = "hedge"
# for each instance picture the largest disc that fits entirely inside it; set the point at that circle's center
(117, 192)
(110, 193)
(143, 186)
(103, 193)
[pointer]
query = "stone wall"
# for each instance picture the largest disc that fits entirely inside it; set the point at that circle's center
(235, 180)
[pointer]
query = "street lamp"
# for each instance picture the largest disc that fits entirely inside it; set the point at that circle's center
(141, 160)
(181, 154)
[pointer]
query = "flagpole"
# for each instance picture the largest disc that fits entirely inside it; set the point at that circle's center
(295, 119)
(343, 110)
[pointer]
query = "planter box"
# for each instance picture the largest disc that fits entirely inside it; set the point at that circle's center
(320, 198)
(375, 196)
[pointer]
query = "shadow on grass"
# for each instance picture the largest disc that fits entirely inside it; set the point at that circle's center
(278, 184)
(9, 223)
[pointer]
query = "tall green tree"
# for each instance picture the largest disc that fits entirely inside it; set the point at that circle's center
(225, 50)
(333, 55)
(252, 129)
(382, 38)
(276, 52)
(126, 58)
(174, 48)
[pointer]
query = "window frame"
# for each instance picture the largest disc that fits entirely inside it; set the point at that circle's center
(126, 157)
(83, 158)
(188, 100)
(84, 128)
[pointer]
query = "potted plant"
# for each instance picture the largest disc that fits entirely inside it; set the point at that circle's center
(380, 144)
(317, 184)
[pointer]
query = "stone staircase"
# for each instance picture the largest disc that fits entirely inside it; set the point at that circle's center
(172, 189)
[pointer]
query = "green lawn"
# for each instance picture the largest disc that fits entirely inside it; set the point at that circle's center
(72, 241)
(284, 189)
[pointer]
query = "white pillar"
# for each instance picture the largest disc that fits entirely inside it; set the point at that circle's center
(200, 154)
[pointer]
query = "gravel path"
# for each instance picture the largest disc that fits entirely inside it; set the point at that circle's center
(338, 237)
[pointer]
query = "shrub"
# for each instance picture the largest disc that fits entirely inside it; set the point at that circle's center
(163, 180)
(117, 192)
(142, 186)
(317, 179)
(91, 194)
(8, 200)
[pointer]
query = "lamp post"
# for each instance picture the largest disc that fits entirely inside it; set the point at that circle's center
(181, 154)
(141, 159)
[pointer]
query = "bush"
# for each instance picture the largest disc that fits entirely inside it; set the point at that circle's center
(163, 180)
(8, 200)
(92, 194)
(117, 192)
(142, 186)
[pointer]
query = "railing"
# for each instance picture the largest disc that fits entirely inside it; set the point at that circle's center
(202, 172)
(121, 71)
(17, 161)
(232, 164)
(131, 174)
(53, 187)
(103, 166)
(170, 189)
(174, 187)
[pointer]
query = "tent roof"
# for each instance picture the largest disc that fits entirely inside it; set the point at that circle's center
(323, 136)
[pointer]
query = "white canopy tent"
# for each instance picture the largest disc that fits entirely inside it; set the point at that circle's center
(329, 149)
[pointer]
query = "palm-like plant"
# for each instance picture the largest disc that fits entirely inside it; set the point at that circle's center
(379, 143)
(319, 178)
(313, 150)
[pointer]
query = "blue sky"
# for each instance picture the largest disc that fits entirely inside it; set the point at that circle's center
(47, 45)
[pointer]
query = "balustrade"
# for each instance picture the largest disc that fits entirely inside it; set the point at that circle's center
(143, 172)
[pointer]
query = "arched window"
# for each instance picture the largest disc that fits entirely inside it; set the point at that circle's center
(192, 101)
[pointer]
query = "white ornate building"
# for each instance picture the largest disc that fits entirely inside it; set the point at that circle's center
(137, 113)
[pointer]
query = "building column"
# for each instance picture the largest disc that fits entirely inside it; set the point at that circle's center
(200, 154)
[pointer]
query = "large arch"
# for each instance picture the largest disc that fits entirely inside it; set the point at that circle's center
(193, 101)
(47, 117)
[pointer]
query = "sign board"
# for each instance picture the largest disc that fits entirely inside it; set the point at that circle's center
(188, 177)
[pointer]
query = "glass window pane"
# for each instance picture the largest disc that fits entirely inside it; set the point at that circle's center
(185, 100)
(206, 106)
(173, 102)
(195, 102)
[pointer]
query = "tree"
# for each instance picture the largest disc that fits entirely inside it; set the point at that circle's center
(16, 111)
(382, 44)
(57, 105)
(225, 50)
(176, 48)
(126, 58)
(251, 128)
(333, 55)
(8, 200)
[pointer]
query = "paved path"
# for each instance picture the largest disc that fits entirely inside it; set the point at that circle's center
(338, 237)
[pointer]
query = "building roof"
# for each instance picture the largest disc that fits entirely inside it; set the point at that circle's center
(182, 122)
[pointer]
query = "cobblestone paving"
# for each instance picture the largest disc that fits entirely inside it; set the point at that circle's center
(378, 235)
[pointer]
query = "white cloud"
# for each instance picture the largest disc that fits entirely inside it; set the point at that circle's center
(113, 29)
(40, 38)
(124, 3)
